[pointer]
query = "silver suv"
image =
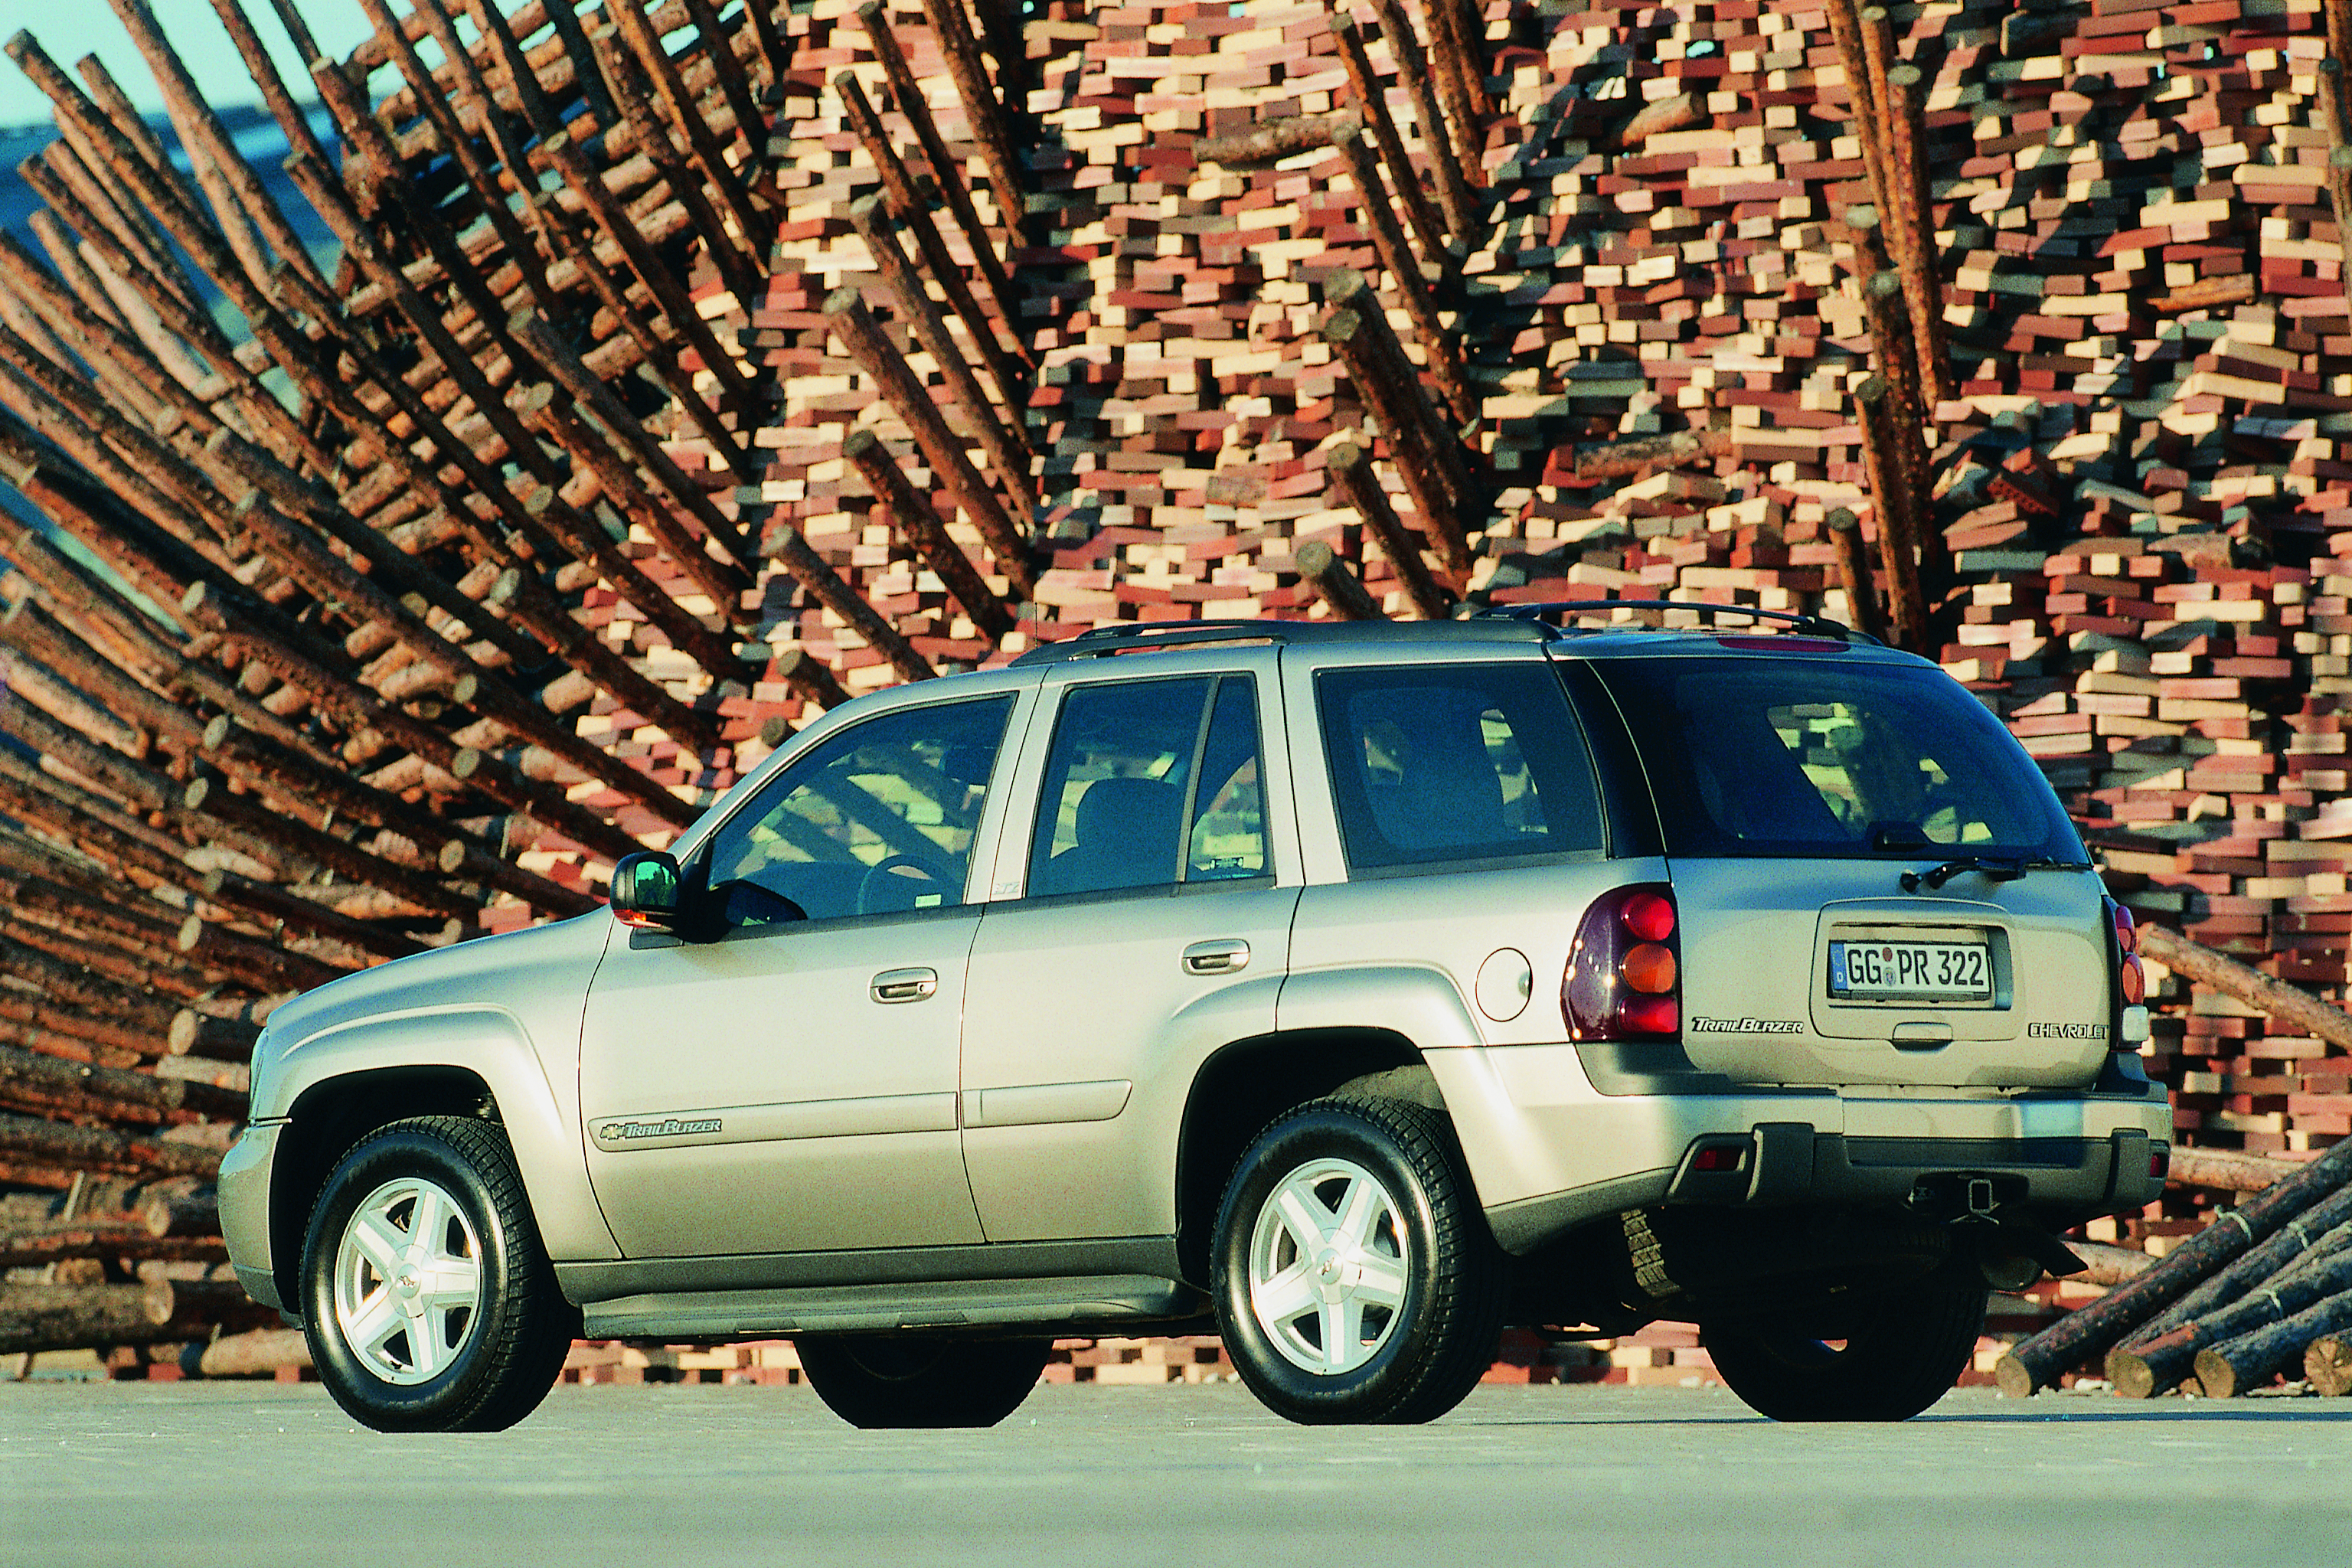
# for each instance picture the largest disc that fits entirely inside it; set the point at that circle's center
(1360, 988)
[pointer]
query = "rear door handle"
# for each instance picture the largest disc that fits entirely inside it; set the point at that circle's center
(904, 985)
(1220, 957)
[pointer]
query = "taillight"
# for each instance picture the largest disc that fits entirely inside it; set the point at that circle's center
(2128, 972)
(1624, 980)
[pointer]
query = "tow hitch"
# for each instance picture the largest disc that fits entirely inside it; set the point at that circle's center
(2011, 1252)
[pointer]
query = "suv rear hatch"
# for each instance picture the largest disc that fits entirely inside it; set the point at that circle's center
(1798, 796)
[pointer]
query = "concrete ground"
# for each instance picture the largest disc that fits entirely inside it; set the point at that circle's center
(652, 1476)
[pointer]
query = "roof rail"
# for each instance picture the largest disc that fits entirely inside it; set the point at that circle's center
(1100, 642)
(1814, 626)
(1145, 636)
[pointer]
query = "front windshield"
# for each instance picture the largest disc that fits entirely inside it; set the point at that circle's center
(1810, 758)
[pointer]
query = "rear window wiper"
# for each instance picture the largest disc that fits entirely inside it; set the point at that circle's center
(1994, 867)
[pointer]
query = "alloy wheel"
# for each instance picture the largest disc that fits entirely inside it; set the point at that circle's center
(1327, 1266)
(408, 1281)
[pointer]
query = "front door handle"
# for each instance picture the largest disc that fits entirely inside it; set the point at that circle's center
(1221, 957)
(904, 985)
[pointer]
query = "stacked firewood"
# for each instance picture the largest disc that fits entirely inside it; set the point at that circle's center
(377, 618)
(690, 365)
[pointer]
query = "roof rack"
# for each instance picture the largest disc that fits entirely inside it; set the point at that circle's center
(1141, 637)
(1814, 626)
(1100, 642)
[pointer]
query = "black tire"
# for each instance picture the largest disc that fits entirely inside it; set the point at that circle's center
(1902, 1353)
(878, 1380)
(495, 1361)
(1408, 1363)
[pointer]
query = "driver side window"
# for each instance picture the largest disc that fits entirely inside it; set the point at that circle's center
(879, 819)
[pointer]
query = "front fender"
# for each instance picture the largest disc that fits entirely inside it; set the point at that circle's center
(536, 1107)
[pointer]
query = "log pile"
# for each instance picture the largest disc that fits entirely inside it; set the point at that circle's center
(2235, 1305)
(688, 366)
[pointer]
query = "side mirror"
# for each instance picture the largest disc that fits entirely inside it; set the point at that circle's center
(646, 887)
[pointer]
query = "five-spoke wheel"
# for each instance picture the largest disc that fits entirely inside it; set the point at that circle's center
(408, 1281)
(429, 1303)
(1326, 1266)
(1352, 1272)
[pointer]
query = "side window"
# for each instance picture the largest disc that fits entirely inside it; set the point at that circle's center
(1436, 765)
(879, 819)
(1149, 784)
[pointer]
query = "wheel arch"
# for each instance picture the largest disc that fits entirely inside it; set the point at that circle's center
(1248, 1083)
(329, 1118)
(343, 1084)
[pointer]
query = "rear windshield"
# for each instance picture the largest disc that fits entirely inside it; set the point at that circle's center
(1804, 757)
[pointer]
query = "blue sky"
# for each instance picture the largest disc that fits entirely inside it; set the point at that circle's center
(69, 29)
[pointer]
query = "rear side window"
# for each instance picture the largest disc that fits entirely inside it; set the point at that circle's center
(1151, 783)
(1439, 767)
(1806, 758)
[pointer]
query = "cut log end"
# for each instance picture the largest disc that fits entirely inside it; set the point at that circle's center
(2015, 1379)
(2216, 1375)
(2328, 1365)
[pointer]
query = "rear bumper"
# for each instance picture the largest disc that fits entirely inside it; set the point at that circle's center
(1547, 1152)
(244, 1209)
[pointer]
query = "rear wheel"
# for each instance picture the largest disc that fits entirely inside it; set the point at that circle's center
(429, 1304)
(882, 1381)
(1903, 1352)
(1353, 1275)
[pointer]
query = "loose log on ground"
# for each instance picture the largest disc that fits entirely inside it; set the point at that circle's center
(2153, 1365)
(2251, 1360)
(2088, 1333)
(2279, 1252)
(2328, 1365)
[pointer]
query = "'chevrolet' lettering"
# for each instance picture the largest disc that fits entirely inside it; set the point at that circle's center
(2065, 1031)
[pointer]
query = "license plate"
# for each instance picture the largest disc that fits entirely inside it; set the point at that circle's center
(1912, 971)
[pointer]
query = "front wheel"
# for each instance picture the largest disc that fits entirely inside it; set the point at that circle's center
(1352, 1272)
(1902, 1354)
(915, 1380)
(429, 1304)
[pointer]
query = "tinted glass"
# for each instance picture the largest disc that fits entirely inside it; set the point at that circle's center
(877, 820)
(1150, 782)
(1228, 831)
(1439, 766)
(1808, 758)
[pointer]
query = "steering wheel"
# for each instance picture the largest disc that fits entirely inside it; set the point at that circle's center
(877, 874)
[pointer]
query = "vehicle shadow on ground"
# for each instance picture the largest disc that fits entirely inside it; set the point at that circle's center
(2172, 1410)
(2279, 1410)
